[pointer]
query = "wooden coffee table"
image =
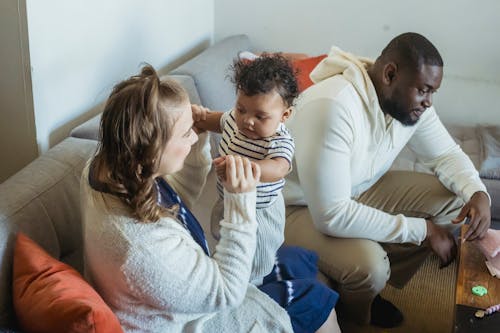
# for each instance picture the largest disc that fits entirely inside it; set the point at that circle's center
(472, 271)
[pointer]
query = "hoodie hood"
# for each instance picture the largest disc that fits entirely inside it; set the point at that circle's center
(354, 69)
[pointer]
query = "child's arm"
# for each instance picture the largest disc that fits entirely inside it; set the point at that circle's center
(273, 169)
(206, 120)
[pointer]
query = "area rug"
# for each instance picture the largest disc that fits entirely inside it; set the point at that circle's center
(427, 301)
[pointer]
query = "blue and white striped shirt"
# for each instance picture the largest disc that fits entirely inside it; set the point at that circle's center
(235, 143)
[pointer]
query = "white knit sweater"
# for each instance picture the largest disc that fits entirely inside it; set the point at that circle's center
(156, 278)
(345, 143)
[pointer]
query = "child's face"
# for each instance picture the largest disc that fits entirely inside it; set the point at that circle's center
(180, 142)
(258, 116)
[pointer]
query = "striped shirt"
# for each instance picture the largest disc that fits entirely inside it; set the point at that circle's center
(234, 142)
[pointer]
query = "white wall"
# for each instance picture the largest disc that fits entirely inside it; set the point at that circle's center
(466, 33)
(17, 125)
(80, 49)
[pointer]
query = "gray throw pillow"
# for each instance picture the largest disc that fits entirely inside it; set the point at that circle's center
(489, 137)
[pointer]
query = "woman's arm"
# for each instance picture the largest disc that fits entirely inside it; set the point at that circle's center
(169, 270)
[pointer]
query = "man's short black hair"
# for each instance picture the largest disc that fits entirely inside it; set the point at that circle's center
(265, 73)
(412, 50)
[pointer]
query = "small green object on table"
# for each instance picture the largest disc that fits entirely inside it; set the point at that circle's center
(479, 290)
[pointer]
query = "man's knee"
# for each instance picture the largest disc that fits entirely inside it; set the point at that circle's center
(350, 263)
(368, 271)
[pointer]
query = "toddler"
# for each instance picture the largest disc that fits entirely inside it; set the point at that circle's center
(266, 88)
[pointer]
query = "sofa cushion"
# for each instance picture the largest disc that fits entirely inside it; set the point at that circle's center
(43, 201)
(489, 137)
(304, 67)
(90, 128)
(465, 136)
(50, 296)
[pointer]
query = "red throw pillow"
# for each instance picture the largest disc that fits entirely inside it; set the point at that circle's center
(50, 296)
(304, 67)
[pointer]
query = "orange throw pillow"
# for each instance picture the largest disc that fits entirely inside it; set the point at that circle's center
(304, 67)
(50, 296)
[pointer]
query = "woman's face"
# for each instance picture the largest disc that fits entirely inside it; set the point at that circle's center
(179, 145)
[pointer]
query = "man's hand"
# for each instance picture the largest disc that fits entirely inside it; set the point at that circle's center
(478, 212)
(441, 243)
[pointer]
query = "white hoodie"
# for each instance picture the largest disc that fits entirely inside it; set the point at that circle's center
(345, 143)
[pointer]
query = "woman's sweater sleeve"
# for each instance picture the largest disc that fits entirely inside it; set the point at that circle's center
(189, 181)
(171, 272)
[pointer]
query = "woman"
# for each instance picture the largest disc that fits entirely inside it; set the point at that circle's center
(145, 252)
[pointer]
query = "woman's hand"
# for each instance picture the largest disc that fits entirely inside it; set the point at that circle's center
(242, 175)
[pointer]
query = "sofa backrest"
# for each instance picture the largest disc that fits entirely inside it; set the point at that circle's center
(204, 77)
(43, 201)
(210, 71)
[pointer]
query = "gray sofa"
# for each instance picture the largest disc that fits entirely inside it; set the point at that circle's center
(42, 200)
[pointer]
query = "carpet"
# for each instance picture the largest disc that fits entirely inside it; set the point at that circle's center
(427, 301)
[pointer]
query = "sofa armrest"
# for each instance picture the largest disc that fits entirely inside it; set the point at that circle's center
(43, 201)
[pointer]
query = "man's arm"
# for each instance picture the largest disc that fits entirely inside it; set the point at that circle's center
(324, 138)
(436, 149)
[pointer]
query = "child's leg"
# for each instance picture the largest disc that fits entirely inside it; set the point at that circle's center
(331, 325)
(270, 236)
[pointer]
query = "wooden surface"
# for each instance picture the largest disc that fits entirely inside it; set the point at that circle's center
(472, 271)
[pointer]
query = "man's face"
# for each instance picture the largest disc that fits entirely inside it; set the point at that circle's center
(411, 93)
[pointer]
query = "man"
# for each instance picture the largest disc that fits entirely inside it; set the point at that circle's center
(348, 128)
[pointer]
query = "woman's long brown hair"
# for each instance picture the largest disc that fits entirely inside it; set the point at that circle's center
(135, 127)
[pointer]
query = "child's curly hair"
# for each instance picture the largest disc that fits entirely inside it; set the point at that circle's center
(265, 73)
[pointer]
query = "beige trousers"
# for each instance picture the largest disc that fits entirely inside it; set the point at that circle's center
(360, 268)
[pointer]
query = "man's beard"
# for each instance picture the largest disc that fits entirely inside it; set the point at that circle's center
(398, 112)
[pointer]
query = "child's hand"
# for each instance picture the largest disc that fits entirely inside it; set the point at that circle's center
(242, 175)
(220, 167)
(199, 112)
(199, 115)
